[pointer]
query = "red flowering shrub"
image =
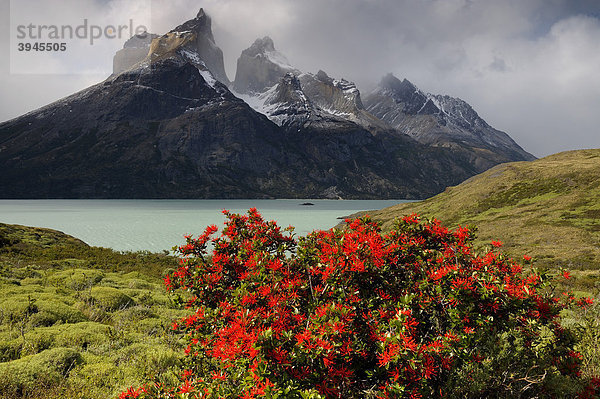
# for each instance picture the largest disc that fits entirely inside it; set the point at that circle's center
(357, 313)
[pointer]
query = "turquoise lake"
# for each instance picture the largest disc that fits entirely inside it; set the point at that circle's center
(156, 225)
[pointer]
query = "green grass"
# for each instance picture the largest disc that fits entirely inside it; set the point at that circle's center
(79, 321)
(548, 209)
(32, 372)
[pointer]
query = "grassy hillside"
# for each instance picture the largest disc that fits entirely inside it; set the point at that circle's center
(548, 209)
(80, 321)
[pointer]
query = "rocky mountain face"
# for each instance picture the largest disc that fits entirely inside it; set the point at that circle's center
(298, 99)
(134, 50)
(259, 67)
(168, 126)
(145, 133)
(196, 37)
(441, 121)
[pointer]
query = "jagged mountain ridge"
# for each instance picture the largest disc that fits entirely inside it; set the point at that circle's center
(291, 98)
(438, 119)
(395, 107)
(168, 127)
(298, 99)
(288, 105)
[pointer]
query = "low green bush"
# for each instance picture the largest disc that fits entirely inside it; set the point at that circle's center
(138, 284)
(10, 281)
(112, 280)
(78, 336)
(37, 340)
(37, 309)
(51, 312)
(37, 281)
(110, 299)
(138, 281)
(158, 298)
(151, 360)
(589, 339)
(82, 335)
(98, 380)
(132, 316)
(76, 279)
(10, 350)
(4, 241)
(17, 309)
(35, 372)
(25, 272)
(151, 326)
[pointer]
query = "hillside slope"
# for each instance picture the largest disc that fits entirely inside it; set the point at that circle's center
(79, 321)
(548, 209)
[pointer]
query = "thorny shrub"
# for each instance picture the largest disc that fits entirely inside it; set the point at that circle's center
(356, 313)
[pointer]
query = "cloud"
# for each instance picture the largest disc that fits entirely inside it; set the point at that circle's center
(546, 96)
(528, 67)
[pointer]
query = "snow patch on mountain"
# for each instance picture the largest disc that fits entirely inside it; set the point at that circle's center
(195, 59)
(278, 59)
(257, 101)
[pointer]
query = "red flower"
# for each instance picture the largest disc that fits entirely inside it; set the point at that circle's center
(186, 387)
(584, 302)
(130, 393)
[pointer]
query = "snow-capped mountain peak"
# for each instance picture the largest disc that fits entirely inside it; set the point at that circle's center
(436, 119)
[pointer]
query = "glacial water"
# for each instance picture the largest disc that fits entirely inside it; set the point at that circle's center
(156, 225)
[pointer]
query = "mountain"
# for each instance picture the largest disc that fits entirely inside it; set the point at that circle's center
(296, 100)
(164, 128)
(196, 36)
(259, 67)
(314, 101)
(169, 127)
(157, 130)
(441, 120)
(548, 209)
(134, 50)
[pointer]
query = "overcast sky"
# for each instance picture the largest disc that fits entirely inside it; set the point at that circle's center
(529, 67)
